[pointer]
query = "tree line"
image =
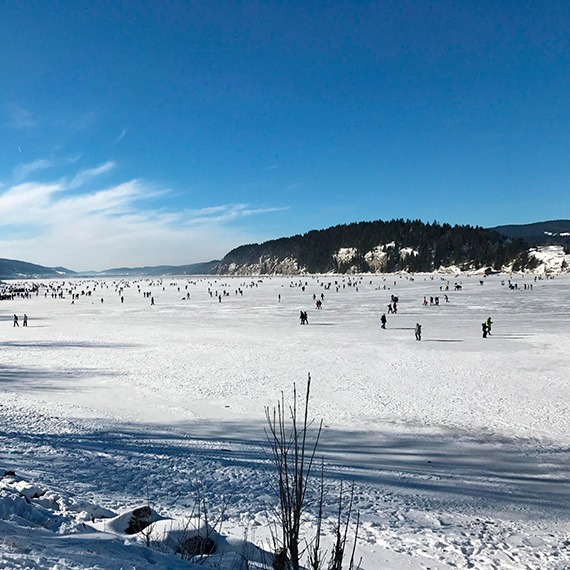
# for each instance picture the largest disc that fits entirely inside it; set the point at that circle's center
(404, 245)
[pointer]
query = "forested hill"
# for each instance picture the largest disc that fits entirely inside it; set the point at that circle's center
(555, 232)
(396, 245)
(15, 269)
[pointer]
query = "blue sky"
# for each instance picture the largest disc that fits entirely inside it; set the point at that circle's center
(143, 133)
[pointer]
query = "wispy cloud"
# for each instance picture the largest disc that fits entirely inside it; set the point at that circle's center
(121, 136)
(20, 118)
(67, 222)
(89, 174)
(23, 170)
(225, 213)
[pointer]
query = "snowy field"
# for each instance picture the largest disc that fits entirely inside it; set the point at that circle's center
(459, 445)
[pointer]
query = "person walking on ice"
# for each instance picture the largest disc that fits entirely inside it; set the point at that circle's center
(25, 320)
(489, 322)
(383, 320)
(418, 331)
(16, 324)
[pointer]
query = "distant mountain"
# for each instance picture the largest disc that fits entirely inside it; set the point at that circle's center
(14, 269)
(555, 232)
(380, 246)
(204, 268)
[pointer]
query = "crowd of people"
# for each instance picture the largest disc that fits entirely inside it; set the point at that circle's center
(77, 290)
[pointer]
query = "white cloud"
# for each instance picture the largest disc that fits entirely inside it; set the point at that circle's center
(64, 223)
(224, 214)
(85, 176)
(23, 170)
(121, 136)
(27, 202)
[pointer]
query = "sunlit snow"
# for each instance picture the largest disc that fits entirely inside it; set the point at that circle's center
(457, 444)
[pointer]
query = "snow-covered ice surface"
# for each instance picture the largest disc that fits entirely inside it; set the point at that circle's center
(458, 445)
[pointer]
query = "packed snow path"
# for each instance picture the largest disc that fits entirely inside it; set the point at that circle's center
(458, 444)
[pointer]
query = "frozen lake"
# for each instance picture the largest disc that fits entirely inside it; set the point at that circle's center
(459, 445)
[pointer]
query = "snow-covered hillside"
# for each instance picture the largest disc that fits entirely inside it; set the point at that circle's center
(552, 259)
(348, 260)
(457, 444)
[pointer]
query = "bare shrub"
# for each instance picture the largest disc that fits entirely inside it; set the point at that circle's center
(293, 454)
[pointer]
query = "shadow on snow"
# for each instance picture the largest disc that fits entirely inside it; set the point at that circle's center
(232, 459)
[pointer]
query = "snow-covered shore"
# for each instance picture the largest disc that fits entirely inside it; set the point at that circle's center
(458, 445)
